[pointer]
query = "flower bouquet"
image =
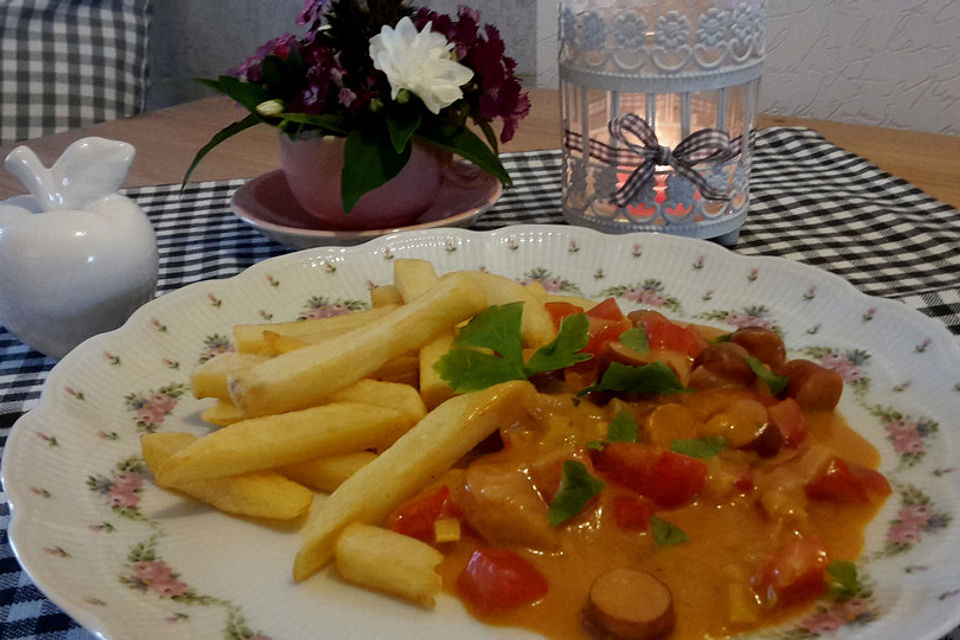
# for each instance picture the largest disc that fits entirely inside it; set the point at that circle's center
(381, 74)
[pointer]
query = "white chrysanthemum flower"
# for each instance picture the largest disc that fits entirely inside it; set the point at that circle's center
(419, 62)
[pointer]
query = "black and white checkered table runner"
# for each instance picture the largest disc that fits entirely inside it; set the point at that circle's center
(810, 201)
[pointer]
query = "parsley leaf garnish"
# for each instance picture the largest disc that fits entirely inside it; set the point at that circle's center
(655, 377)
(577, 487)
(776, 383)
(636, 339)
(700, 447)
(667, 534)
(623, 428)
(488, 350)
(563, 351)
(845, 578)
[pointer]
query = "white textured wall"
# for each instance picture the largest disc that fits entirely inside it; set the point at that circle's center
(891, 63)
(204, 38)
(894, 63)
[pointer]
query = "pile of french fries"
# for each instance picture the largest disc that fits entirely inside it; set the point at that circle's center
(349, 406)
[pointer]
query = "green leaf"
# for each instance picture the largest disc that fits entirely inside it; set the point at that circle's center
(498, 328)
(220, 136)
(844, 575)
(655, 377)
(667, 534)
(468, 370)
(467, 145)
(699, 448)
(563, 350)
(333, 124)
(490, 135)
(623, 428)
(726, 337)
(596, 445)
(776, 383)
(246, 93)
(369, 161)
(401, 123)
(577, 487)
(636, 339)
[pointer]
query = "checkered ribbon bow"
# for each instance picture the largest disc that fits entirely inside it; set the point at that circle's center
(706, 145)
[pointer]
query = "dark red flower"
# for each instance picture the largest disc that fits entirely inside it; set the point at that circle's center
(252, 68)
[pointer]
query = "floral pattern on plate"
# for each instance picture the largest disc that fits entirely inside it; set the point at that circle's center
(129, 560)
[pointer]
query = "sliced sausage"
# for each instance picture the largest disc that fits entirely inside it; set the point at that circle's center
(727, 360)
(815, 388)
(627, 604)
(766, 345)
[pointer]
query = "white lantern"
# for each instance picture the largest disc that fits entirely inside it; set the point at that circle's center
(659, 101)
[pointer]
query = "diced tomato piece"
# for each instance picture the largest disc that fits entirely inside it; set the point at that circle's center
(602, 332)
(497, 580)
(607, 310)
(632, 514)
(796, 571)
(560, 310)
(663, 334)
(667, 478)
(788, 417)
(416, 518)
(842, 481)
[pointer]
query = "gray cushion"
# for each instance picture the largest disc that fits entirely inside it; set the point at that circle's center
(70, 63)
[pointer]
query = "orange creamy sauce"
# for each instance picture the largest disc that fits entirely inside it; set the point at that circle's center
(731, 532)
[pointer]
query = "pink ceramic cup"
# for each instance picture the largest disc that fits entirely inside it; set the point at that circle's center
(312, 167)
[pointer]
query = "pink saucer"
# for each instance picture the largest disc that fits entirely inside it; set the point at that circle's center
(265, 202)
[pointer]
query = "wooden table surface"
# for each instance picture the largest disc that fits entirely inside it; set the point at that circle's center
(167, 139)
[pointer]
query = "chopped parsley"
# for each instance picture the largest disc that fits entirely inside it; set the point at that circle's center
(636, 339)
(776, 383)
(667, 534)
(700, 447)
(654, 377)
(623, 428)
(845, 578)
(488, 350)
(577, 487)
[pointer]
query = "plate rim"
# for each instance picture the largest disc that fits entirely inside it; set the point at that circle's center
(19, 430)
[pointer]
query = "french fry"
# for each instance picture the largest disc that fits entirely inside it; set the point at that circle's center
(413, 461)
(584, 303)
(259, 494)
(385, 294)
(537, 327)
(272, 441)
(307, 376)
(328, 473)
(223, 413)
(277, 343)
(248, 338)
(433, 388)
(412, 277)
(209, 379)
(387, 561)
(394, 395)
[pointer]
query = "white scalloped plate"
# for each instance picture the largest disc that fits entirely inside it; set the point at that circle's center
(128, 560)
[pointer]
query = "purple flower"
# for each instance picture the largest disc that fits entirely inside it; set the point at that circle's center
(252, 68)
(312, 13)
